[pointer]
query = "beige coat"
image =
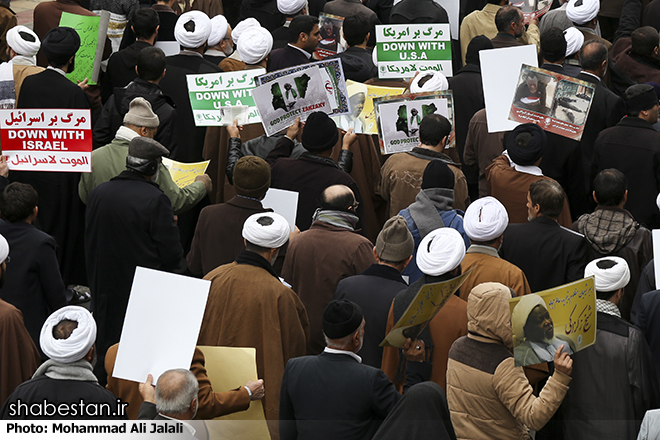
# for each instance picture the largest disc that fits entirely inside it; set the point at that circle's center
(490, 398)
(401, 180)
(488, 267)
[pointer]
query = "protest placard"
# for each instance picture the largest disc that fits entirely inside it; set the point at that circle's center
(557, 103)
(229, 368)
(217, 98)
(47, 139)
(284, 203)
(334, 82)
(183, 174)
(399, 118)
(331, 42)
(297, 94)
(91, 30)
(421, 310)
(147, 344)
(362, 118)
(168, 47)
(403, 49)
(543, 321)
(500, 83)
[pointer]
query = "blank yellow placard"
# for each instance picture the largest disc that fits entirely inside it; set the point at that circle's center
(229, 368)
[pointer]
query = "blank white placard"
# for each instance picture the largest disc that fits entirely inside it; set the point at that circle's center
(501, 69)
(168, 47)
(284, 203)
(162, 324)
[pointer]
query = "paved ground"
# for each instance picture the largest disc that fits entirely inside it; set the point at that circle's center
(23, 10)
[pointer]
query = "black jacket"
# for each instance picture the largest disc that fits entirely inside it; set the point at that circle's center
(648, 320)
(165, 29)
(117, 106)
(286, 57)
(121, 69)
(357, 64)
(129, 223)
(547, 253)
(633, 147)
(280, 37)
(263, 10)
(418, 11)
(332, 396)
(373, 290)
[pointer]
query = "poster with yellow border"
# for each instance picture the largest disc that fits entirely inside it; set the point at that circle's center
(542, 322)
(184, 174)
(422, 309)
(229, 368)
(362, 118)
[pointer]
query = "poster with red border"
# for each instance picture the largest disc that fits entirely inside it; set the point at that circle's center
(47, 139)
(557, 103)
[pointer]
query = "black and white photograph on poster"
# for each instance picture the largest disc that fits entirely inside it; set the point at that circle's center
(298, 94)
(399, 118)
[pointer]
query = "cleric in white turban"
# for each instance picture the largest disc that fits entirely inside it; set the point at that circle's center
(192, 29)
(267, 230)
(534, 339)
(290, 8)
(611, 276)
(581, 12)
(574, 40)
(70, 344)
(219, 27)
(23, 41)
(485, 219)
(254, 46)
(440, 252)
(429, 81)
(242, 26)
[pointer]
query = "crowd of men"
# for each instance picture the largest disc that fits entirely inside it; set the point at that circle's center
(522, 211)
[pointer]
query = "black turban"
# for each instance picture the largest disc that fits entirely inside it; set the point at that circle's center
(526, 153)
(60, 44)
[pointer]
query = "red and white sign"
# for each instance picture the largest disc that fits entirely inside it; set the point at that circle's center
(47, 139)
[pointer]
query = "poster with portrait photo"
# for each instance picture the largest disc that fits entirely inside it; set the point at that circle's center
(399, 118)
(362, 118)
(557, 103)
(290, 96)
(544, 321)
(331, 42)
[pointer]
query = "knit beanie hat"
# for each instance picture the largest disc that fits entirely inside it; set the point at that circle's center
(438, 175)
(395, 242)
(140, 114)
(251, 177)
(320, 133)
(341, 318)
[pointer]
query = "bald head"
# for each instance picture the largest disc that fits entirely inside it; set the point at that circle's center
(176, 393)
(593, 57)
(337, 197)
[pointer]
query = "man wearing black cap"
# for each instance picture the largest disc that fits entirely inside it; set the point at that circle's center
(332, 396)
(633, 147)
(509, 176)
(314, 171)
(129, 223)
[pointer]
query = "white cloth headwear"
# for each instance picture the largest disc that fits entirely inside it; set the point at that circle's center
(76, 346)
(485, 219)
(192, 39)
(441, 251)
(582, 11)
(255, 45)
(219, 28)
(608, 278)
(20, 45)
(521, 312)
(265, 233)
(242, 27)
(291, 7)
(574, 40)
(4, 249)
(657, 201)
(437, 83)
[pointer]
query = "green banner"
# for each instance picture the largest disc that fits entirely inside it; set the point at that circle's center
(88, 30)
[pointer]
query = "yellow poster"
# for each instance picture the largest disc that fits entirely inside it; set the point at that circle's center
(229, 368)
(362, 118)
(544, 321)
(428, 301)
(184, 174)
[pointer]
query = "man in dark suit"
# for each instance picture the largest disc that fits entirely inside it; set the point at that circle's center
(304, 36)
(332, 396)
(547, 253)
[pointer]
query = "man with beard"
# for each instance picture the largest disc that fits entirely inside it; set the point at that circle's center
(510, 26)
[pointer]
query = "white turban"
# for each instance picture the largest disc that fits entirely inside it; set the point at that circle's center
(266, 229)
(657, 201)
(574, 40)
(76, 346)
(521, 312)
(582, 11)
(4, 249)
(198, 32)
(219, 28)
(437, 83)
(19, 44)
(485, 219)
(255, 45)
(242, 27)
(291, 7)
(441, 251)
(608, 277)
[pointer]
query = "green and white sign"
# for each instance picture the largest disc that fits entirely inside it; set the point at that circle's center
(217, 98)
(404, 49)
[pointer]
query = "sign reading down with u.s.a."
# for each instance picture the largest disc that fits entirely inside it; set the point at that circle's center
(404, 49)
